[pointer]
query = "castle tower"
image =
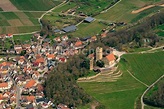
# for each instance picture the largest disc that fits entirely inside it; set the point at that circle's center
(99, 53)
(91, 63)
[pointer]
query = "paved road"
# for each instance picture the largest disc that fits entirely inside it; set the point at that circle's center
(142, 103)
(152, 49)
(18, 96)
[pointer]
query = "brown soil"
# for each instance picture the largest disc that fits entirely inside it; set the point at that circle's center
(6, 5)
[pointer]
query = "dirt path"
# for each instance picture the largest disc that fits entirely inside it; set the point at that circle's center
(142, 9)
(137, 79)
(6, 5)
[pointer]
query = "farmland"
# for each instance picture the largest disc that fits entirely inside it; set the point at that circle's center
(146, 69)
(122, 11)
(24, 17)
(114, 95)
(35, 5)
(19, 22)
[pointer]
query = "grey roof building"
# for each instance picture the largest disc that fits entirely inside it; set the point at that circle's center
(70, 28)
(89, 19)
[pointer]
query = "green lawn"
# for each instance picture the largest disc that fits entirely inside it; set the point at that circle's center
(22, 38)
(35, 5)
(88, 29)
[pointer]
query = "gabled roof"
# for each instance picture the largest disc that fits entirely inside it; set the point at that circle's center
(30, 98)
(69, 28)
(89, 19)
(30, 83)
(40, 60)
(3, 85)
(111, 57)
(50, 56)
(78, 43)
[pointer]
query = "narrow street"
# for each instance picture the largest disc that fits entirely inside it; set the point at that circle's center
(18, 96)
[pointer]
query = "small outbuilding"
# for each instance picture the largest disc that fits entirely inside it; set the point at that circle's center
(70, 28)
(89, 19)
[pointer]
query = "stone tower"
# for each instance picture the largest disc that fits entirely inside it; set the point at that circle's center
(91, 63)
(99, 53)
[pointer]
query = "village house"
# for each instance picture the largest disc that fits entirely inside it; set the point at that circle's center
(78, 45)
(110, 59)
(9, 36)
(18, 49)
(103, 35)
(35, 75)
(26, 46)
(93, 38)
(30, 84)
(3, 36)
(50, 56)
(62, 106)
(64, 38)
(57, 39)
(5, 86)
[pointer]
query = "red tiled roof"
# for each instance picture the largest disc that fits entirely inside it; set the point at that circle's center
(50, 56)
(78, 43)
(93, 38)
(10, 35)
(103, 34)
(3, 85)
(6, 64)
(111, 57)
(40, 60)
(30, 98)
(30, 84)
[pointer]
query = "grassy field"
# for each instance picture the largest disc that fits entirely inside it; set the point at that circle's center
(114, 95)
(22, 38)
(91, 7)
(65, 7)
(146, 69)
(35, 5)
(122, 11)
(88, 29)
(146, 13)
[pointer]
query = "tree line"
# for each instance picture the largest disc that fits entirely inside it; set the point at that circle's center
(61, 86)
(157, 96)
